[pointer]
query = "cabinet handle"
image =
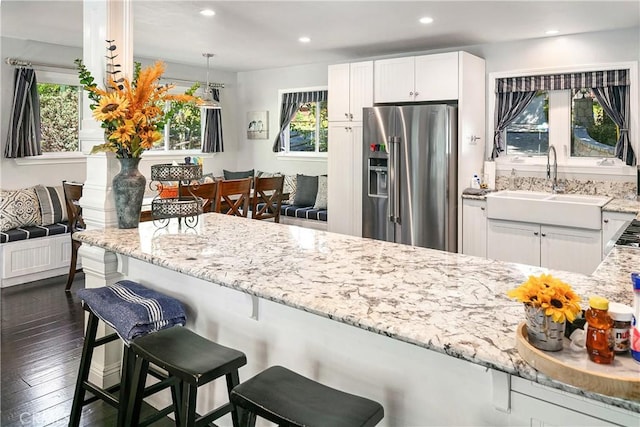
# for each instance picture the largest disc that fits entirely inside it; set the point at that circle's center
(535, 233)
(606, 221)
(350, 116)
(482, 208)
(346, 115)
(543, 235)
(417, 94)
(346, 129)
(411, 93)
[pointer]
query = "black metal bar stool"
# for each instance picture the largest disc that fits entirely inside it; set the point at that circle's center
(194, 361)
(289, 399)
(132, 310)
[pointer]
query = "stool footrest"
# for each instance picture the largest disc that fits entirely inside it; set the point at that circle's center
(154, 388)
(106, 339)
(214, 415)
(100, 393)
(156, 417)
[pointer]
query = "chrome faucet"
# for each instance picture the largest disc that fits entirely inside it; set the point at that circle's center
(555, 187)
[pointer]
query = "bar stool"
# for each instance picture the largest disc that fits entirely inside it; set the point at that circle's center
(192, 360)
(132, 310)
(289, 399)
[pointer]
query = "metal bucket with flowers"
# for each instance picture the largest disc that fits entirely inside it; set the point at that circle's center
(548, 304)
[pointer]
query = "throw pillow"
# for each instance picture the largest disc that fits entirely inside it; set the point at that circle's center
(290, 188)
(262, 174)
(206, 178)
(237, 175)
(52, 204)
(306, 190)
(321, 198)
(19, 208)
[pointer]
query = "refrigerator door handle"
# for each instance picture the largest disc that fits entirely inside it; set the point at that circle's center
(396, 180)
(392, 179)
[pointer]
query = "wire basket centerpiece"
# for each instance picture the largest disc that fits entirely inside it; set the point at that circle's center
(182, 203)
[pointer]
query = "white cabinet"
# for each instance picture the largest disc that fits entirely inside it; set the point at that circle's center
(350, 90)
(344, 171)
(561, 248)
(417, 78)
(474, 227)
(613, 224)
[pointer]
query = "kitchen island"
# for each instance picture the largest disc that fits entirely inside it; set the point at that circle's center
(416, 329)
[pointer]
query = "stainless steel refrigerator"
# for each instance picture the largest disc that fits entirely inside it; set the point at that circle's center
(410, 175)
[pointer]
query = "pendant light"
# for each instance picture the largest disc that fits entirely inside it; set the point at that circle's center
(207, 100)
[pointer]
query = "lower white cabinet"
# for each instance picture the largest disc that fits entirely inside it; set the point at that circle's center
(613, 224)
(344, 171)
(561, 248)
(474, 227)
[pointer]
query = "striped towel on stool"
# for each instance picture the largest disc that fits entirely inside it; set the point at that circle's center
(133, 310)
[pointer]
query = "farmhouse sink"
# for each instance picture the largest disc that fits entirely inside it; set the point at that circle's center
(568, 210)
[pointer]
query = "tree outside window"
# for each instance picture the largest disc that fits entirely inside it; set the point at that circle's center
(59, 117)
(308, 131)
(594, 134)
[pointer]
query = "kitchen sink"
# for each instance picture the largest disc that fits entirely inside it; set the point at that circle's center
(569, 210)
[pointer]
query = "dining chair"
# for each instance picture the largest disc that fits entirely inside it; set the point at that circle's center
(206, 192)
(233, 197)
(267, 198)
(72, 195)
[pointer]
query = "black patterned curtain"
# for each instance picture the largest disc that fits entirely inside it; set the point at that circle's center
(513, 94)
(212, 140)
(23, 136)
(291, 102)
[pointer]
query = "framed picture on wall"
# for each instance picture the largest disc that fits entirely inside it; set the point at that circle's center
(257, 125)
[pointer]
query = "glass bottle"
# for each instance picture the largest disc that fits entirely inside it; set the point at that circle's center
(599, 333)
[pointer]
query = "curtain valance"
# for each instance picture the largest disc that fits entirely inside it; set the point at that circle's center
(591, 79)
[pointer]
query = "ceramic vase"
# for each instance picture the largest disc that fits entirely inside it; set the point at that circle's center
(128, 189)
(542, 331)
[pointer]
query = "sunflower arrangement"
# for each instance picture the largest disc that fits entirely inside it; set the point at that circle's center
(551, 295)
(132, 112)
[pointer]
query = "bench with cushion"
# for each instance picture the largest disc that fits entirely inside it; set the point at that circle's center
(34, 239)
(307, 204)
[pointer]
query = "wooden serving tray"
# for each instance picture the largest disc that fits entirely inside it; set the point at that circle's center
(619, 379)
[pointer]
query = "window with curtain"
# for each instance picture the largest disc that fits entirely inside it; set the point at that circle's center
(597, 102)
(303, 123)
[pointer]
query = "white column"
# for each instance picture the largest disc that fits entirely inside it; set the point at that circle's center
(102, 20)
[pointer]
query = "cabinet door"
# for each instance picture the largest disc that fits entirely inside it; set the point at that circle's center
(345, 178)
(570, 249)
(613, 224)
(394, 80)
(338, 102)
(360, 89)
(513, 241)
(436, 77)
(474, 227)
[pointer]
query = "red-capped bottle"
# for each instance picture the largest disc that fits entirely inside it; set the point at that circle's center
(599, 332)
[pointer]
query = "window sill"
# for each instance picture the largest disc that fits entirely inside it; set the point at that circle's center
(589, 166)
(52, 158)
(306, 157)
(176, 154)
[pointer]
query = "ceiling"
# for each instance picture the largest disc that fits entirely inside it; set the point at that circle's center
(251, 35)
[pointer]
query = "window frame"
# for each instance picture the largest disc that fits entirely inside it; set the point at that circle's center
(165, 133)
(560, 126)
(301, 155)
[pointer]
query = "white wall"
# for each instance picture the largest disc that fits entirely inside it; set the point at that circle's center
(24, 173)
(258, 91)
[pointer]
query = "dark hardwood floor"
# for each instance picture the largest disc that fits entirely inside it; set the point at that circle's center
(41, 344)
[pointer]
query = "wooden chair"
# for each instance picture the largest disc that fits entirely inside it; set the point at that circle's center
(233, 197)
(267, 198)
(207, 192)
(72, 195)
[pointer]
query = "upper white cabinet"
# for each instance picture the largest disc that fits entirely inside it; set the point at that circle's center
(350, 90)
(417, 78)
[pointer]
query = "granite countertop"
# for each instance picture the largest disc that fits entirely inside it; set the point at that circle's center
(445, 302)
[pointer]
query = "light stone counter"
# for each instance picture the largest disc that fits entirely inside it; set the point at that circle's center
(449, 303)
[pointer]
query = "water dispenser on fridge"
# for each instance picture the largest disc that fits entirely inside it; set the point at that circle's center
(378, 178)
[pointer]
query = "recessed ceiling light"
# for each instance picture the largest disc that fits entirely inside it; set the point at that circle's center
(551, 32)
(426, 20)
(304, 39)
(207, 12)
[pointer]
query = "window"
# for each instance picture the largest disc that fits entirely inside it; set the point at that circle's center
(308, 129)
(593, 134)
(528, 134)
(59, 117)
(184, 130)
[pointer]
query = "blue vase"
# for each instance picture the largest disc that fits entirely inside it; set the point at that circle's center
(128, 188)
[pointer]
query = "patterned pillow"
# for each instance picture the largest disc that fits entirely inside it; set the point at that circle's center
(19, 208)
(321, 197)
(263, 174)
(290, 184)
(52, 204)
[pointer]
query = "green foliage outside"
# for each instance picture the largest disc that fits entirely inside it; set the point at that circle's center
(184, 128)
(59, 115)
(302, 130)
(604, 129)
